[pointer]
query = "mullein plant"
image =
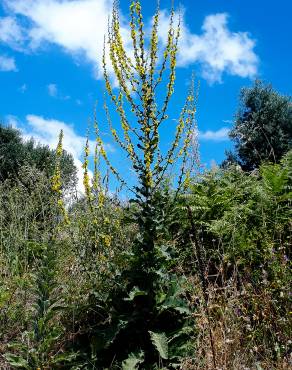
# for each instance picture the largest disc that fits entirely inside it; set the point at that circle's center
(39, 347)
(147, 301)
(97, 224)
(57, 180)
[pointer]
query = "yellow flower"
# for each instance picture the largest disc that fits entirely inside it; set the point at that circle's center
(106, 240)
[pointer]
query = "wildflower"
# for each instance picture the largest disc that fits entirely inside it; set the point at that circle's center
(56, 182)
(106, 240)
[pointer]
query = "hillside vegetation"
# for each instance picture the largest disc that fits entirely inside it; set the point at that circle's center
(187, 273)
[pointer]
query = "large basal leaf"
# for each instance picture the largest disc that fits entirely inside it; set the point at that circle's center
(16, 361)
(132, 361)
(160, 342)
(135, 292)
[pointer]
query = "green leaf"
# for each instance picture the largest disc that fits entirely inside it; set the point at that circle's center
(16, 361)
(159, 341)
(132, 361)
(135, 292)
(106, 336)
(65, 357)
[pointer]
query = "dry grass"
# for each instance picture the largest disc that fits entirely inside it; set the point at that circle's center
(240, 336)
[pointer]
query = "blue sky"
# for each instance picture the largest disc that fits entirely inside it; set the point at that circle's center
(50, 64)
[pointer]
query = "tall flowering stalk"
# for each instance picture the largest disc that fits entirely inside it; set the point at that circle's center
(142, 111)
(95, 226)
(57, 180)
(86, 178)
(139, 77)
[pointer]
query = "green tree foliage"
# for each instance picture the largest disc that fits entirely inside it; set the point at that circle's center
(263, 127)
(15, 153)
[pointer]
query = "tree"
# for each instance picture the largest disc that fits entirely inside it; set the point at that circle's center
(11, 151)
(263, 127)
(15, 153)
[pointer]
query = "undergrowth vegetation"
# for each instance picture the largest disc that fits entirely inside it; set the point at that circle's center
(64, 299)
(186, 274)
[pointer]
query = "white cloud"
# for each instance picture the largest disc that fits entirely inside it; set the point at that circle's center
(7, 64)
(52, 90)
(217, 49)
(45, 131)
(11, 32)
(219, 135)
(79, 27)
(12, 121)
